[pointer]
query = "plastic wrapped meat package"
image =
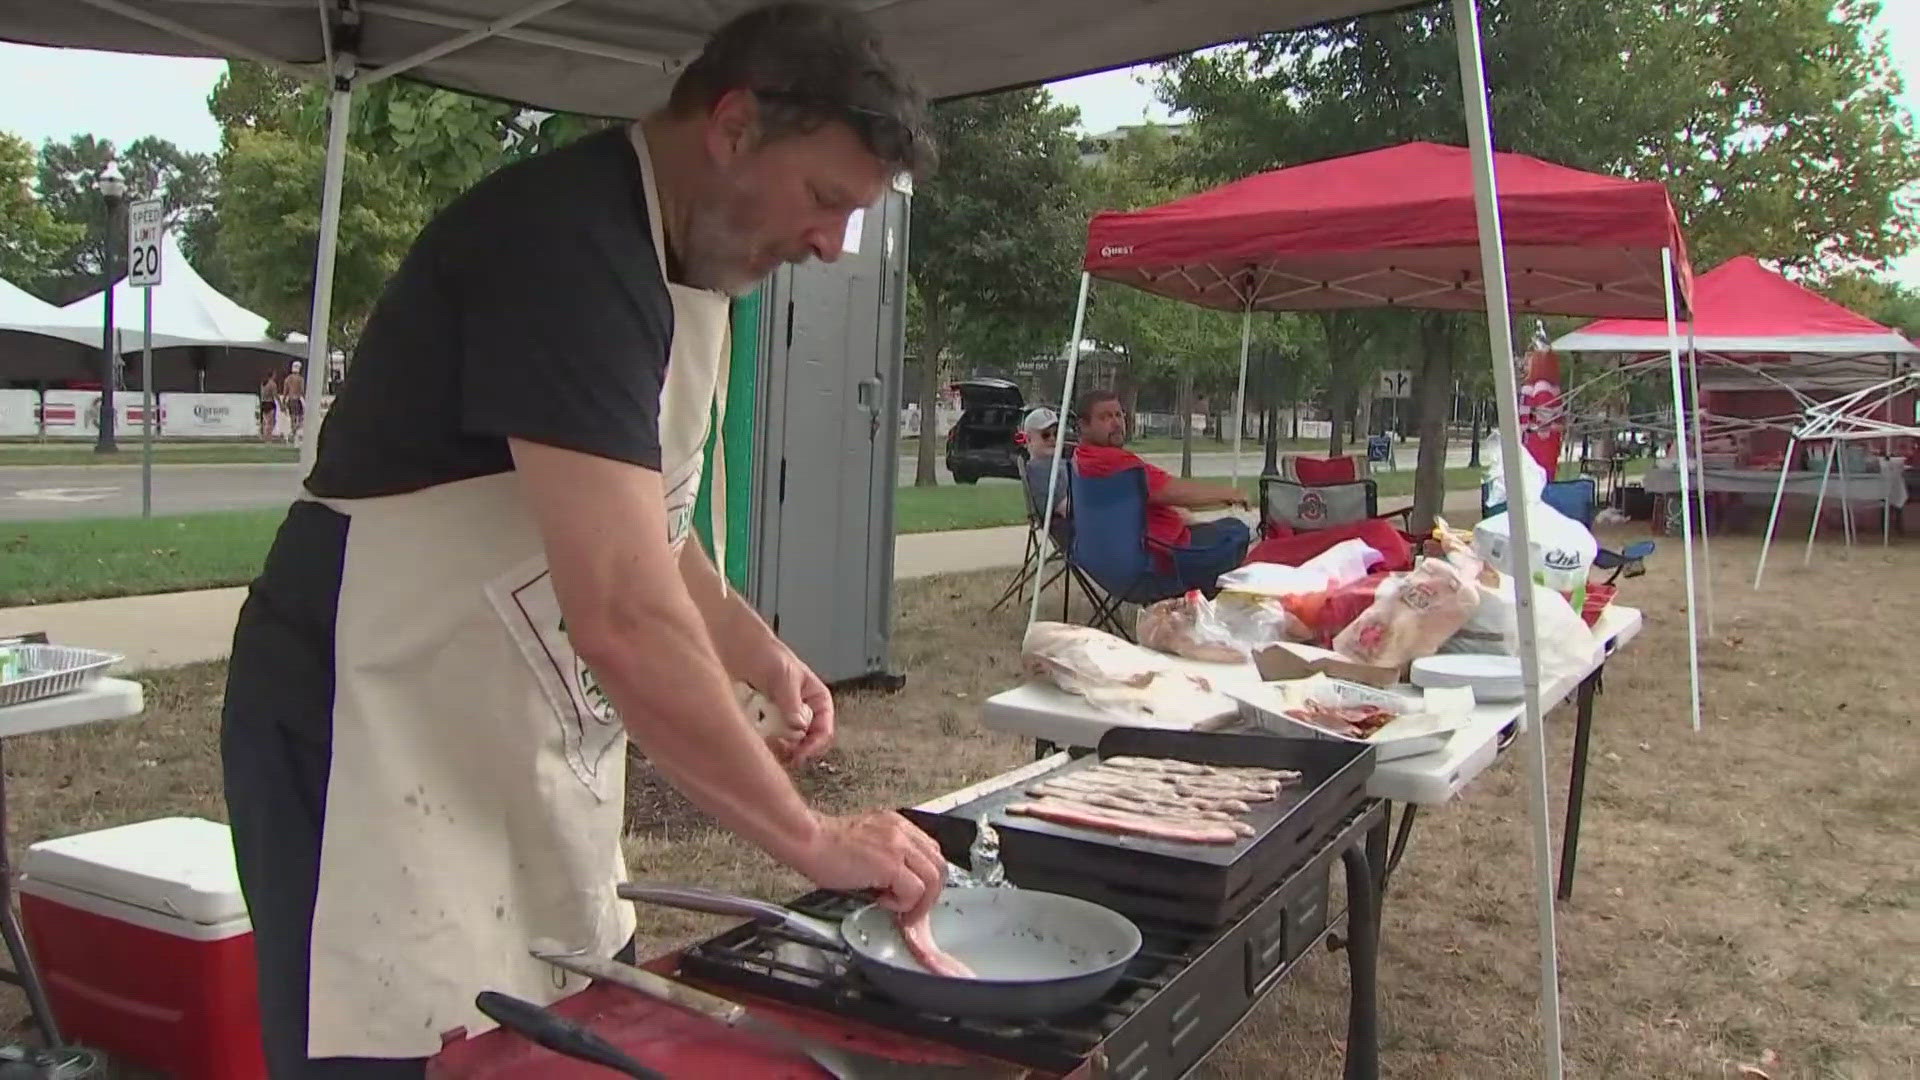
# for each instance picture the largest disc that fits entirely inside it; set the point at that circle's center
(1225, 630)
(1412, 616)
(1120, 678)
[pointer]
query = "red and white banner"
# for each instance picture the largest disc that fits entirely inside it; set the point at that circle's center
(76, 414)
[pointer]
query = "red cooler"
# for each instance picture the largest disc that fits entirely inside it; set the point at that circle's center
(143, 941)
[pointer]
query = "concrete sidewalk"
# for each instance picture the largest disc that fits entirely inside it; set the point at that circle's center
(170, 629)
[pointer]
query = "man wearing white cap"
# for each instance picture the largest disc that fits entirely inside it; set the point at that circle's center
(1042, 428)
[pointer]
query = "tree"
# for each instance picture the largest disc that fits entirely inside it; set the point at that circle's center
(68, 175)
(1773, 123)
(994, 235)
(270, 226)
(1888, 303)
(31, 237)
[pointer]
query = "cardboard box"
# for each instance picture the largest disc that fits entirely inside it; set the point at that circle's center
(1279, 663)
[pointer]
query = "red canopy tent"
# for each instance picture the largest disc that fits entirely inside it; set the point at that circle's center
(1397, 227)
(1401, 227)
(1419, 226)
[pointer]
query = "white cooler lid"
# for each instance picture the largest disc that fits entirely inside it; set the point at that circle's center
(178, 866)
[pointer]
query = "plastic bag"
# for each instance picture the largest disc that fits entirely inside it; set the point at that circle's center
(1411, 618)
(1225, 631)
(1560, 549)
(1342, 564)
(1187, 626)
(1532, 475)
(1566, 644)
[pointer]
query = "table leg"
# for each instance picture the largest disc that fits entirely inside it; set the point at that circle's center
(23, 974)
(1400, 838)
(1363, 960)
(1577, 784)
(1042, 748)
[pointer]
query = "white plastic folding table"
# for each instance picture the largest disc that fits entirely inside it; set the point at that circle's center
(1055, 720)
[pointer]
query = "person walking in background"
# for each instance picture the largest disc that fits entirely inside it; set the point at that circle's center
(269, 406)
(295, 391)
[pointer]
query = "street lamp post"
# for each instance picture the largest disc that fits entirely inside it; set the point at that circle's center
(113, 191)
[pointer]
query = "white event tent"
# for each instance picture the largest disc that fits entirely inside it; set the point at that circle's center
(186, 311)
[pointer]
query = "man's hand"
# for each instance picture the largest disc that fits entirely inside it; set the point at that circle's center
(755, 655)
(799, 695)
(881, 851)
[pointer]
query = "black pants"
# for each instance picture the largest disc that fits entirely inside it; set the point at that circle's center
(276, 748)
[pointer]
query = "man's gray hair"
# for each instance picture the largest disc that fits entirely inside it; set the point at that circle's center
(809, 64)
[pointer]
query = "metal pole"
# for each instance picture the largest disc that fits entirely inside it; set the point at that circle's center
(1773, 519)
(1240, 397)
(1819, 503)
(146, 405)
(1059, 444)
(1686, 484)
(319, 363)
(109, 347)
(1700, 467)
(1493, 271)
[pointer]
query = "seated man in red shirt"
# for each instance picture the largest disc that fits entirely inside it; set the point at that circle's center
(1102, 452)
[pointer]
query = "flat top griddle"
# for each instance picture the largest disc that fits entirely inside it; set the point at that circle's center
(1201, 882)
(1264, 818)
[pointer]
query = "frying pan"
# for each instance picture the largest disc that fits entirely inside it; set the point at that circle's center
(1035, 954)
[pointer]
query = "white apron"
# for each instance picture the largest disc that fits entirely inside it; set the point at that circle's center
(478, 774)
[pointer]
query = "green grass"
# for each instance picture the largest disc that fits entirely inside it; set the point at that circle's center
(163, 454)
(47, 562)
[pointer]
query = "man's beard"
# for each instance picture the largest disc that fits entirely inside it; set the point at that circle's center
(718, 256)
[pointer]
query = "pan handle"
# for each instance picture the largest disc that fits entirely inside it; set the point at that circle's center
(646, 982)
(561, 1036)
(813, 931)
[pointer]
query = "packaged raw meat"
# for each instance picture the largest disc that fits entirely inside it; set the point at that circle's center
(1412, 617)
(1225, 630)
(1187, 626)
(1121, 678)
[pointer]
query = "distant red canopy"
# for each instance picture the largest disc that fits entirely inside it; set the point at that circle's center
(1397, 228)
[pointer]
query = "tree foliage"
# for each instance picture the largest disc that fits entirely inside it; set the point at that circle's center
(31, 237)
(411, 149)
(994, 236)
(68, 176)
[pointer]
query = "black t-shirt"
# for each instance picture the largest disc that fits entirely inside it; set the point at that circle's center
(532, 307)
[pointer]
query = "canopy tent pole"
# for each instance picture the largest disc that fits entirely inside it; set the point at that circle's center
(319, 365)
(1773, 518)
(1700, 472)
(1686, 488)
(1240, 396)
(1820, 502)
(1053, 472)
(1493, 269)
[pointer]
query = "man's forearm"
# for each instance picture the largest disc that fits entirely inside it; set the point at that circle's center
(1197, 494)
(675, 696)
(729, 619)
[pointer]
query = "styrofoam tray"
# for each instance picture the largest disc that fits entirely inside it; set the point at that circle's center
(1420, 728)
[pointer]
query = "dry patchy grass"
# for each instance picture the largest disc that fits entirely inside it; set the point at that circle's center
(1748, 889)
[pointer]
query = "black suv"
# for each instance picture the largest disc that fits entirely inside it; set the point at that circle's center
(984, 441)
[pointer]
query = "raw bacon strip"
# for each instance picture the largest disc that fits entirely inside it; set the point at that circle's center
(1173, 767)
(1175, 786)
(1169, 811)
(1070, 784)
(1080, 815)
(1260, 784)
(918, 934)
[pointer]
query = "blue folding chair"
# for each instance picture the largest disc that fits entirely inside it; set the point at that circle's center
(1109, 544)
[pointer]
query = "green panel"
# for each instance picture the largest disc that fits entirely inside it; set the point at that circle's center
(742, 384)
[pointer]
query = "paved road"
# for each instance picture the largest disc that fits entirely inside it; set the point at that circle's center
(56, 492)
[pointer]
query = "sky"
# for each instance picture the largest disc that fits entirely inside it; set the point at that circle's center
(58, 93)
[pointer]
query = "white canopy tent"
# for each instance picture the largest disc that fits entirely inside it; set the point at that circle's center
(618, 58)
(22, 312)
(186, 311)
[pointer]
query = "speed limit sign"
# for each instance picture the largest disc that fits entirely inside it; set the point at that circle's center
(146, 224)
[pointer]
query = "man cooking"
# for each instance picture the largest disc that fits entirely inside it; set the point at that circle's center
(1103, 452)
(488, 586)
